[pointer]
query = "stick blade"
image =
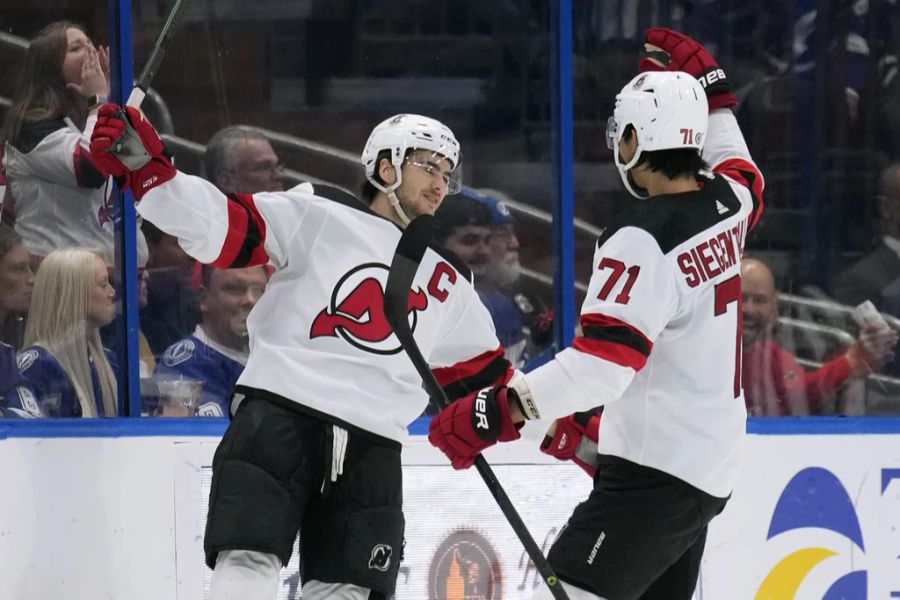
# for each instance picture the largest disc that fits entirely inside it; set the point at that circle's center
(407, 257)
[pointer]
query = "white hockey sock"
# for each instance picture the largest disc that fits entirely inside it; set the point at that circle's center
(319, 590)
(245, 575)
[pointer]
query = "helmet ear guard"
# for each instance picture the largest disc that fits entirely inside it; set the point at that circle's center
(668, 111)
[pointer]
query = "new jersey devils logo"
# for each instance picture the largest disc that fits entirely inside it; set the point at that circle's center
(381, 557)
(356, 311)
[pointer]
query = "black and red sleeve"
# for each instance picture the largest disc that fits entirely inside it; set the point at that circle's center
(244, 244)
(613, 340)
(467, 377)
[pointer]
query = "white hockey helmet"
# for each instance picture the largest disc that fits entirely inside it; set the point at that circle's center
(668, 110)
(404, 132)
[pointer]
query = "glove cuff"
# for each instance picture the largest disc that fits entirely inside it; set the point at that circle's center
(723, 100)
(156, 172)
(647, 63)
(519, 385)
(491, 418)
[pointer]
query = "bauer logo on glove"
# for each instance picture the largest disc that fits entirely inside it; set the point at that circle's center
(481, 417)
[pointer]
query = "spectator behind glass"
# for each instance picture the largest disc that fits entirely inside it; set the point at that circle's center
(464, 225)
(877, 276)
(65, 372)
(503, 279)
(774, 382)
(170, 312)
(61, 198)
(16, 283)
(9, 374)
(241, 159)
(217, 351)
(237, 159)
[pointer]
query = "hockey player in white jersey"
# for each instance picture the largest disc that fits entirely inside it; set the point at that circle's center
(321, 410)
(661, 342)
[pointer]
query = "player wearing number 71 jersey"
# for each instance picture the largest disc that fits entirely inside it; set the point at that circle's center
(661, 339)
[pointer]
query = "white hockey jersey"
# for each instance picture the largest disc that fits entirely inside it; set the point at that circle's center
(61, 198)
(319, 336)
(661, 342)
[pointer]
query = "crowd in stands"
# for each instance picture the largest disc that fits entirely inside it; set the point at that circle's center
(57, 282)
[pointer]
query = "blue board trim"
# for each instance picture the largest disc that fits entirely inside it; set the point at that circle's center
(204, 427)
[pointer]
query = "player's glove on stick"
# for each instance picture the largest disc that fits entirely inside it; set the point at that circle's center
(469, 425)
(575, 439)
(669, 50)
(125, 145)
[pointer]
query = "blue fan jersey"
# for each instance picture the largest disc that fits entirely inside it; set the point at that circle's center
(197, 357)
(45, 389)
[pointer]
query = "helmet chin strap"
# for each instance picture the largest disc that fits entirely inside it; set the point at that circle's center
(624, 169)
(395, 203)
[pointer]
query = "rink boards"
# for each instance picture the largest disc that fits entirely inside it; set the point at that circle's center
(115, 509)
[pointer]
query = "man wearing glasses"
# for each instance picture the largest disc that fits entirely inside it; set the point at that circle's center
(241, 159)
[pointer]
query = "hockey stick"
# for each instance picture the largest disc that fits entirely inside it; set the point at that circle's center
(129, 147)
(139, 91)
(409, 253)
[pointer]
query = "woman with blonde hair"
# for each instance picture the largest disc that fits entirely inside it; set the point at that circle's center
(65, 372)
(61, 198)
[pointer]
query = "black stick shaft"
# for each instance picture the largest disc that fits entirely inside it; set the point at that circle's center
(139, 91)
(410, 250)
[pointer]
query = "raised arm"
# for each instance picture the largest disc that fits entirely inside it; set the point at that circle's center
(234, 230)
(724, 149)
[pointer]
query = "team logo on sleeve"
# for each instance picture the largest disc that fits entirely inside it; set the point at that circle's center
(356, 311)
(25, 359)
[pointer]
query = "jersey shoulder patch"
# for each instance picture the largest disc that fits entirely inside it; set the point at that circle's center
(674, 218)
(26, 358)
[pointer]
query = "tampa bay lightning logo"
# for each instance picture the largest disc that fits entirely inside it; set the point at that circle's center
(814, 498)
(25, 359)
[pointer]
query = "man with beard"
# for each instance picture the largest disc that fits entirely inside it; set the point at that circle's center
(216, 353)
(467, 226)
(774, 382)
(503, 281)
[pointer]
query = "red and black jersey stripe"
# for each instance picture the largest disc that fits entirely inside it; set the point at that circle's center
(467, 377)
(613, 340)
(745, 172)
(244, 244)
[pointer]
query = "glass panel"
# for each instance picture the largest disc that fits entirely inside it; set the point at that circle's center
(314, 78)
(59, 212)
(817, 107)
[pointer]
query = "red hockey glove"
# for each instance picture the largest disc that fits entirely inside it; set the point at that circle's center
(125, 144)
(473, 423)
(668, 50)
(575, 439)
